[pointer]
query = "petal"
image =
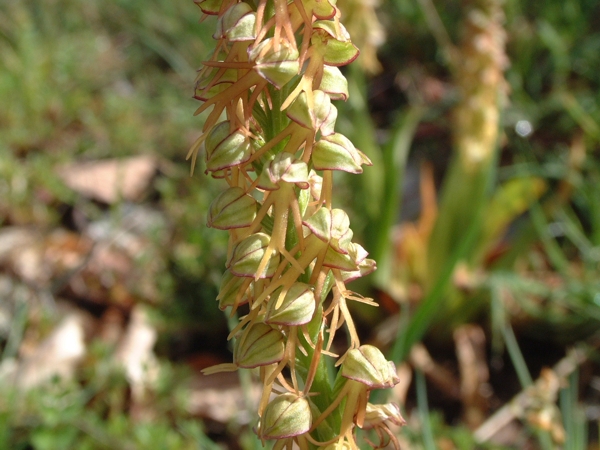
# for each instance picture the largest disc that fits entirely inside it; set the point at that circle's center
(260, 346)
(232, 208)
(285, 416)
(320, 224)
(312, 119)
(277, 67)
(224, 149)
(368, 366)
(334, 83)
(229, 290)
(336, 152)
(297, 308)
(247, 256)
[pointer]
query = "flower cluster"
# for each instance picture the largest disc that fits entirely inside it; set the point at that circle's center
(269, 134)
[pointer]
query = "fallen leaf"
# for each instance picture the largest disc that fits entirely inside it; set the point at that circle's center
(474, 372)
(221, 398)
(136, 353)
(111, 180)
(57, 355)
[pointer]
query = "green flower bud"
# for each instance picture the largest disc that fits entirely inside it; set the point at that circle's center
(230, 289)
(248, 254)
(320, 9)
(232, 208)
(342, 261)
(320, 224)
(336, 152)
(260, 345)
(368, 366)
(244, 29)
(225, 149)
(306, 117)
(210, 7)
(341, 234)
(297, 308)
(354, 264)
(287, 415)
(331, 226)
(207, 87)
(328, 125)
(237, 24)
(284, 167)
(277, 67)
(331, 29)
(337, 50)
(334, 83)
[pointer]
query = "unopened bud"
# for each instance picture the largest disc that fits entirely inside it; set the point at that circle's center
(336, 48)
(342, 261)
(320, 224)
(341, 233)
(297, 308)
(336, 152)
(287, 415)
(232, 208)
(284, 167)
(207, 86)
(260, 346)
(237, 24)
(225, 149)
(365, 267)
(367, 365)
(277, 67)
(230, 290)
(334, 83)
(248, 254)
(303, 115)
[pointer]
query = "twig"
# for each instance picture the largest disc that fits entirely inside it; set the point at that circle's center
(522, 401)
(442, 378)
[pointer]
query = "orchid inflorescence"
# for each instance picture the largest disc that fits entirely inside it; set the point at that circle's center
(269, 134)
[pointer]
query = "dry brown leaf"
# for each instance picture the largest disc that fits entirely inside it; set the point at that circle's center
(220, 398)
(98, 267)
(537, 398)
(400, 391)
(136, 353)
(474, 373)
(41, 258)
(111, 180)
(58, 355)
(438, 375)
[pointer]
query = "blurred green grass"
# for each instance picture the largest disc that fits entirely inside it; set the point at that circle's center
(87, 80)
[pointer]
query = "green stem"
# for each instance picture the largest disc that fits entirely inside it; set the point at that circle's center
(277, 119)
(322, 383)
(423, 408)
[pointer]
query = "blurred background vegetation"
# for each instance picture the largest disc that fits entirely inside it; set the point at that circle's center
(489, 268)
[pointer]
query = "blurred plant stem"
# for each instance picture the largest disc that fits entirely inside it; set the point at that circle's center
(481, 87)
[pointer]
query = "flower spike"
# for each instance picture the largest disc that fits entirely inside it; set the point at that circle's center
(269, 136)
